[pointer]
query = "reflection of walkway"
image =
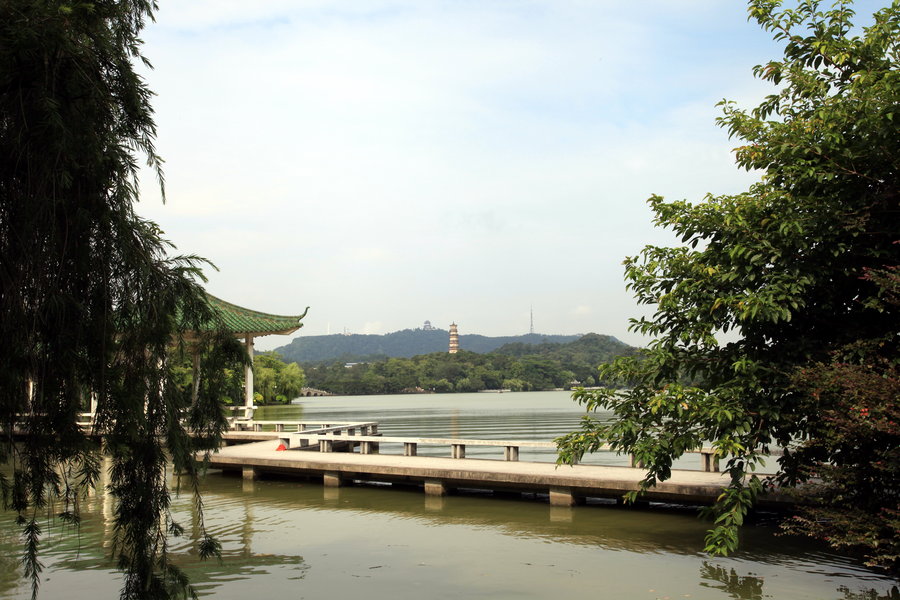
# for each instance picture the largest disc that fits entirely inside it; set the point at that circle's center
(564, 484)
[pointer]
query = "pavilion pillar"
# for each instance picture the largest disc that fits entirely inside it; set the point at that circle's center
(248, 380)
(195, 377)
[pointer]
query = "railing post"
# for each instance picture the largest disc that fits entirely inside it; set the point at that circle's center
(710, 461)
(511, 453)
(410, 449)
(457, 450)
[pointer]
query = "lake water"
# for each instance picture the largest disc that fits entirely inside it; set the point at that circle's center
(288, 539)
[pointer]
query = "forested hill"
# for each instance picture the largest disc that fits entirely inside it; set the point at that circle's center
(402, 344)
(591, 349)
(516, 367)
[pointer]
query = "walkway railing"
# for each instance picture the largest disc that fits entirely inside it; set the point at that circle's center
(307, 427)
(371, 444)
(305, 435)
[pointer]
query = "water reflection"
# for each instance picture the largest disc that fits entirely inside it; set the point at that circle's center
(868, 594)
(297, 539)
(304, 539)
(746, 587)
(77, 560)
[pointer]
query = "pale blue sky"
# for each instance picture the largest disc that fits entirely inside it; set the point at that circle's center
(388, 162)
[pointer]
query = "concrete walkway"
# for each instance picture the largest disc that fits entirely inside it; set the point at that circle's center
(566, 485)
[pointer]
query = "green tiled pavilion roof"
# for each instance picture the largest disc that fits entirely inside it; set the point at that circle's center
(238, 319)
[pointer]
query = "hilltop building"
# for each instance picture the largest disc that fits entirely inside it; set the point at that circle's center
(428, 326)
(454, 339)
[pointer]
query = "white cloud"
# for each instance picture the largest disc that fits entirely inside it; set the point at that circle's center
(388, 162)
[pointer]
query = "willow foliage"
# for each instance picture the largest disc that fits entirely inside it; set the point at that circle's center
(783, 266)
(90, 300)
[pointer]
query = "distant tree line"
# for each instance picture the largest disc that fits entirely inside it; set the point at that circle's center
(400, 344)
(515, 367)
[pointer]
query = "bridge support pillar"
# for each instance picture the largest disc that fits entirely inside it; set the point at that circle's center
(331, 479)
(249, 473)
(435, 487)
(562, 496)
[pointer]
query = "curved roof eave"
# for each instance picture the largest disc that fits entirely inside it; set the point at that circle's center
(244, 321)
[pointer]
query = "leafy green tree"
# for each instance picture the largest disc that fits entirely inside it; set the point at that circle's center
(372, 383)
(854, 448)
(264, 383)
(516, 385)
(400, 373)
(90, 301)
(290, 381)
(540, 373)
(274, 380)
(469, 384)
(442, 386)
(780, 267)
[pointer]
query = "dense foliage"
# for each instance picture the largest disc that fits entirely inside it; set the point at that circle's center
(274, 381)
(783, 268)
(580, 356)
(90, 302)
(512, 367)
(854, 448)
(398, 344)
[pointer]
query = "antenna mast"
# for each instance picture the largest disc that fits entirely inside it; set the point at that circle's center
(532, 319)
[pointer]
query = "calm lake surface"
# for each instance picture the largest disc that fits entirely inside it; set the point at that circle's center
(287, 539)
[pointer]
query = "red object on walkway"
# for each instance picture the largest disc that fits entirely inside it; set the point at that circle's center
(281, 447)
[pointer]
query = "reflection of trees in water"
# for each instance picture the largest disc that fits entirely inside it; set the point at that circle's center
(10, 574)
(849, 594)
(241, 512)
(84, 548)
(749, 587)
(746, 587)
